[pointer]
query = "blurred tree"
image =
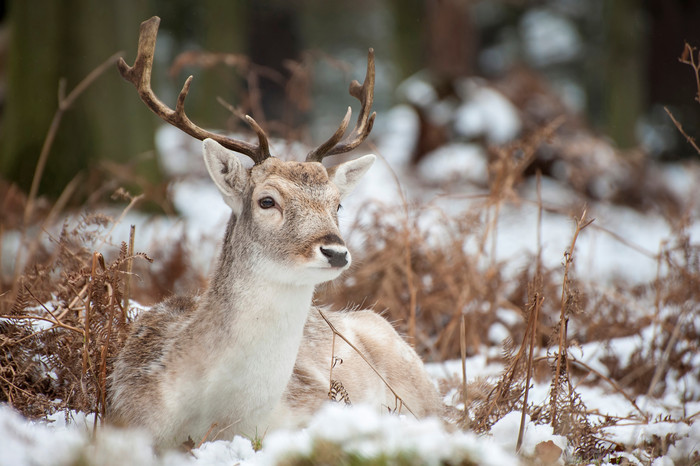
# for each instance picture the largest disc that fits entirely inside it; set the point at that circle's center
(451, 39)
(51, 40)
(624, 58)
(207, 26)
(409, 32)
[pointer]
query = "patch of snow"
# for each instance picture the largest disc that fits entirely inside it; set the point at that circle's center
(549, 38)
(357, 430)
(505, 433)
(455, 161)
(236, 451)
(485, 112)
(361, 431)
(178, 153)
(417, 90)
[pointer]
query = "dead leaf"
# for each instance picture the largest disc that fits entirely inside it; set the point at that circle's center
(547, 452)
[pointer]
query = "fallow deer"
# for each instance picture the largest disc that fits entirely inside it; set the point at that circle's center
(251, 352)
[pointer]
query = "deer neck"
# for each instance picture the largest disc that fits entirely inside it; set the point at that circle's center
(251, 299)
(251, 327)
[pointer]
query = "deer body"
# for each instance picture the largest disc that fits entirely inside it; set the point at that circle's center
(377, 340)
(247, 354)
(224, 359)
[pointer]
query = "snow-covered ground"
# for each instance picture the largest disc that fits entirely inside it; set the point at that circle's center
(344, 432)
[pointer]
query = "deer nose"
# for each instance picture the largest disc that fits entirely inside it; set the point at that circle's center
(337, 255)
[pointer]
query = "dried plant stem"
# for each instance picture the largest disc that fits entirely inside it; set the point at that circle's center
(617, 388)
(132, 203)
(129, 271)
(661, 365)
(493, 229)
(463, 354)
(687, 58)
(207, 434)
(412, 291)
(335, 331)
(16, 388)
(64, 103)
(78, 297)
(330, 372)
(86, 317)
(57, 323)
(54, 320)
(690, 139)
(103, 360)
(540, 209)
(563, 317)
(532, 329)
(408, 264)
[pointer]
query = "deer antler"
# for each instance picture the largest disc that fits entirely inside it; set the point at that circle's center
(140, 76)
(365, 94)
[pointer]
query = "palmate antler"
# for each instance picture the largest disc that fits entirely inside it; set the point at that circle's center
(140, 76)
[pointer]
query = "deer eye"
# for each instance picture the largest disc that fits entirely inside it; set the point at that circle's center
(340, 206)
(266, 202)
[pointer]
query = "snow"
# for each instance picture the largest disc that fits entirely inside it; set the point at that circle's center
(549, 38)
(457, 168)
(455, 162)
(485, 112)
(505, 433)
(357, 430)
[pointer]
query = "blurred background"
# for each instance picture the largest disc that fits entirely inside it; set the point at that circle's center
(610, 66)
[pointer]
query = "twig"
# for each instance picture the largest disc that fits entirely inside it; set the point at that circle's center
(687, 58)
(206, 435)
(96, 256)
(463, 354)
(330, 372)
(55, 322)
(563, 319)
(532, 328)
(603, 377)
(129, 270)
(31, 395)
(391, 389)
(690, 140)
(661, 365)
(412, 291)
(611, 382)
(64, 103)
(103, 362)
(132, 203)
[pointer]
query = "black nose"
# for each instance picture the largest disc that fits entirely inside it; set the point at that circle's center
(337, 258)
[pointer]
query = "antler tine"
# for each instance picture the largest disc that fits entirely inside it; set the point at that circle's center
(140, 76)
(365, 94)
(321, 151)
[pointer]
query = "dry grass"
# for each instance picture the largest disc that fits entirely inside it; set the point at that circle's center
(66, 314)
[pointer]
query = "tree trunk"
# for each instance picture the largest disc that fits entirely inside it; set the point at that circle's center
(51, 40)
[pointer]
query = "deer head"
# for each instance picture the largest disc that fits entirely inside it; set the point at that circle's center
(285, 212)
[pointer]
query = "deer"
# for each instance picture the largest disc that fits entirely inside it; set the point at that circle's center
(252, 352)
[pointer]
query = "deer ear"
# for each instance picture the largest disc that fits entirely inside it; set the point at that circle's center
(227, 172)
(348, 174)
